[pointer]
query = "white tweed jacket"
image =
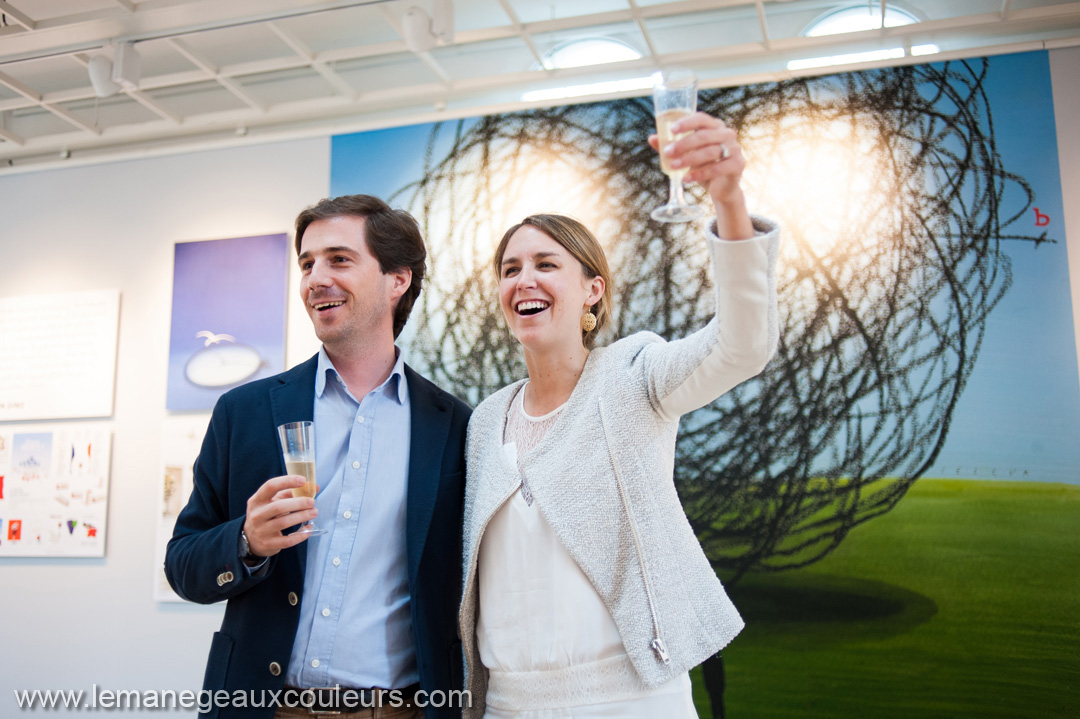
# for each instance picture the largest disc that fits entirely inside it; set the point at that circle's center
(602, 475)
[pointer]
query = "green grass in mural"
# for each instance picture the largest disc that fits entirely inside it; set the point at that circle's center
(964, 601)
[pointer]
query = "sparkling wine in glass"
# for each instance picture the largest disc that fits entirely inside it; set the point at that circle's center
(674, 97)
(298, 449)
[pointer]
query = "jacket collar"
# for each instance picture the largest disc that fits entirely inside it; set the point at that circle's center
(292, 399)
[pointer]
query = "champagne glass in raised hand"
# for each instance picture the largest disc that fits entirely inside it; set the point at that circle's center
(298, 448)
(674, 97)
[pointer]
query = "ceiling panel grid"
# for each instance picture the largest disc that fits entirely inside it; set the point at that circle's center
(227, 71)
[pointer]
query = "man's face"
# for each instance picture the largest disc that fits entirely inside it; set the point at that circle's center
(349, 299)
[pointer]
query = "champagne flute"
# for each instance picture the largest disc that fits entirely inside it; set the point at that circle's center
(674, 97)
(298, 449)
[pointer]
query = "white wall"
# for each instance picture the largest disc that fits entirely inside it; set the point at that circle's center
(73, 623)
(78, 622)
(1064, 69)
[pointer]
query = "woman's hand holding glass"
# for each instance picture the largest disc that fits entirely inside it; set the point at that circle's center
(712, 156)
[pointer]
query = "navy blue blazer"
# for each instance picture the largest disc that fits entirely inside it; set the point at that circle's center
(239, 453)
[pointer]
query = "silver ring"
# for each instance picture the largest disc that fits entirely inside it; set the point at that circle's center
(724, 152)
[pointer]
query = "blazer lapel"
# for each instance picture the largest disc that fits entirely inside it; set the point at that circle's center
(292, 399)
(430, 419)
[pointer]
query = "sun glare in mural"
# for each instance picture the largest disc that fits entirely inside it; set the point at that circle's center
(549, 184)
(531, 181)
(826, 177)
(495, 184)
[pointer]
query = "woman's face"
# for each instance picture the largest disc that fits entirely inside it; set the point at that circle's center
(543, 291)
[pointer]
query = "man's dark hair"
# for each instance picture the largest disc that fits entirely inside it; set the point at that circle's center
(392, 237)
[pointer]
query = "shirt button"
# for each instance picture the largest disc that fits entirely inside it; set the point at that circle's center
(347, 514)
(326, 612)
(315, 662)
(356, 465)
(337, 561)
(360, 419)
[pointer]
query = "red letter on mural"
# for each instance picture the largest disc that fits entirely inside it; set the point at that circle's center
(1041, 220)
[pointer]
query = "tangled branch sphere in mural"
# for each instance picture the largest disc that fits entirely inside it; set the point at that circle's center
(894, 203)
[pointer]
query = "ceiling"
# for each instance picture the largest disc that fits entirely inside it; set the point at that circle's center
(232, 71)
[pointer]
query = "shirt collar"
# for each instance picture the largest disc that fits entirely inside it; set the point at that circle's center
(394, 386)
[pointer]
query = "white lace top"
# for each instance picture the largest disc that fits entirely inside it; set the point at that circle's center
(544, 634)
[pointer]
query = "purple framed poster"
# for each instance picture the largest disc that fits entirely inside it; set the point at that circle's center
(228, 317)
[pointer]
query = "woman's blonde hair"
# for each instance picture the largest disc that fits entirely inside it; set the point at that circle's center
(584, 247)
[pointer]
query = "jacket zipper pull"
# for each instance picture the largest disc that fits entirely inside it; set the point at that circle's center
(660, 650)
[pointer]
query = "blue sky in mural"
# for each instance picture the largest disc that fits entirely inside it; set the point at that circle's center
(382, 161)
(1019, 416)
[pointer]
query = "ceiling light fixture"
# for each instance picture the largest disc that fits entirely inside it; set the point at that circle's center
(100, 70)
(593, 88)
(122, 72)
(422, 33)
(127, 70)
(847, 59)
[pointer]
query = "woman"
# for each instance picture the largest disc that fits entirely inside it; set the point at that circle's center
(586, 592)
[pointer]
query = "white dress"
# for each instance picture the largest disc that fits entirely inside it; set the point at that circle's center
(549, 644)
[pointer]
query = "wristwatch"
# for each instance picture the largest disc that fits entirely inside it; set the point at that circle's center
(245, 550)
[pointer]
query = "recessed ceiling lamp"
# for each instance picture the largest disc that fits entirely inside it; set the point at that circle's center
(865, 16)
(585, 52)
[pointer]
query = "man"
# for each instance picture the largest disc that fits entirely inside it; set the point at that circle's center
(373, 603)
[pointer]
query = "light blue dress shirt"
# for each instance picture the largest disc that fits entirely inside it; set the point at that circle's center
(355, 625)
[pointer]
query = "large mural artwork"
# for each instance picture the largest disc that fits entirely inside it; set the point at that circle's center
(893, 502)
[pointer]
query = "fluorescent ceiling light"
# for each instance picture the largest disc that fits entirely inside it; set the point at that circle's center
(931, 49)
(848, 59)
(595, 88)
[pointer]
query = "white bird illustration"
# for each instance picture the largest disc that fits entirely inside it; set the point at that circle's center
(213, 339)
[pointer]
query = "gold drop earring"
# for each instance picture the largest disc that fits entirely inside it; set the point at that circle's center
(588, 321)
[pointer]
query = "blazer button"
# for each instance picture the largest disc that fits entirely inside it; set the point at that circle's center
(275, 669)
(293, 599)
